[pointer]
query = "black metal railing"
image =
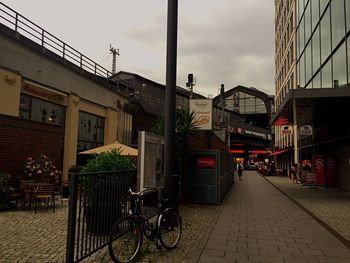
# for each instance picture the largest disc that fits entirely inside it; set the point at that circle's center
(96, 202)
(30, 30)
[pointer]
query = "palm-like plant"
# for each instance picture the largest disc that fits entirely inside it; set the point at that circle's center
(185, 125)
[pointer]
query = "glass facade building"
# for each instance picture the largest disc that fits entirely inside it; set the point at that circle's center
(312, 80)
(323, 43)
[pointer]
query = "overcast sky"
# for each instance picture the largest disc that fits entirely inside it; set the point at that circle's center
(219, 41)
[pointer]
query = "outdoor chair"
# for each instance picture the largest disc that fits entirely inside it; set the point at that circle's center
(27, 188)
(16, 194)
(44, 193)
(58, 193)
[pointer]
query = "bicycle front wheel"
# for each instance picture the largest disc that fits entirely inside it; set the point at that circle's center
(125, 240)
(170, 228)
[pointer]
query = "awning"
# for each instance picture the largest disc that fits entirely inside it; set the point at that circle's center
(279, 152)
(124, 149)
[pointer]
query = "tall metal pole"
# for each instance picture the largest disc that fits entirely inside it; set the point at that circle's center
(171, 180)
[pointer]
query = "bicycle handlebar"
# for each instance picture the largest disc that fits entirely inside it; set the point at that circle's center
(141, 192)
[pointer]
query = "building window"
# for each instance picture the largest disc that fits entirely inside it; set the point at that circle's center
(315, 13)
(339, 67)
(338, 22)
(307, 23)
(348, 63)
(325, 36)
(308, 64)
(347, 10)
(40, 110)
(327, 75)
(316, 82)
(316, 51)
(90, 131)
(323, 4)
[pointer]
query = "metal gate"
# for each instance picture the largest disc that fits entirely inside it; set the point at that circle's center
(96, 201)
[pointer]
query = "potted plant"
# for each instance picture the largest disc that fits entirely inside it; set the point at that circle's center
(42, 170)
(98, 218)
(5, 190)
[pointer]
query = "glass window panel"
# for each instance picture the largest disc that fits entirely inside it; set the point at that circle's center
(298, 45)
(323, 4)
(316, 51)
(302, 71)
(348, 63)
(45, 111)
(100, 135)
(24, 114)
(308, 64)
(325, 36)
(339, 67)
(347, 9)
(327, 75)
(24, 103)
(315, 13)
(301, 35)
(338, 21)
(307, 23)
(300, 8)
(316, 82)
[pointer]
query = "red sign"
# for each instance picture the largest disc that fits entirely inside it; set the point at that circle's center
(237, 151)
(206, 162)
(259, 152)
(281, 121)
(331, 175)
(319, 169)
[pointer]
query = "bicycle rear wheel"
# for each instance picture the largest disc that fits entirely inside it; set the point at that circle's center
(170, 228)
(125, 240)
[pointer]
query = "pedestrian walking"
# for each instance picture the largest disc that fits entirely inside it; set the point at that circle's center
(294, 173)
(240, 171)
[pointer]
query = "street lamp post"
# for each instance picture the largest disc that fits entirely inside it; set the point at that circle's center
(171, 179)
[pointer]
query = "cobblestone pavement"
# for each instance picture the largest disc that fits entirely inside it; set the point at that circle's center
(260, 224)
(330, 205)
(41, 237)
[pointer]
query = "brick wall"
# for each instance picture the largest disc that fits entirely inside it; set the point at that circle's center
(21, 138)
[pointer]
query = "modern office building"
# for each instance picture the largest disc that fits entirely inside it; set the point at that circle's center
(312, 75)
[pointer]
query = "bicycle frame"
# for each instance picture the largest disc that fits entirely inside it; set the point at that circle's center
(151, 233)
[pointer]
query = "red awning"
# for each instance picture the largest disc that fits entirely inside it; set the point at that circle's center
(280, 121)
(279, 152)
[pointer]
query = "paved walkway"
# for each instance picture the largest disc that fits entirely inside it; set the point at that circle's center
(330, 205)
(256, 223)
(260, 224)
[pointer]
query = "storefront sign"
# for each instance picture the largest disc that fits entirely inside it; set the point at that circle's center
(305, 130)
(206, 162)
(43, 93)
(258, 134)
(203, 110)
(319, 169)
(287, 130)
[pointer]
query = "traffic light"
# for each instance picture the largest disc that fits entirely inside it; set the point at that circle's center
(190, 78)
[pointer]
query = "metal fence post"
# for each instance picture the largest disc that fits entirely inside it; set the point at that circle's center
(72, 216)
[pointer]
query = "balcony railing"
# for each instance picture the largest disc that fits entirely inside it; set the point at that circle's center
(30, 30)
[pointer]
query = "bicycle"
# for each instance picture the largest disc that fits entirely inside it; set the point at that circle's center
(126, 236)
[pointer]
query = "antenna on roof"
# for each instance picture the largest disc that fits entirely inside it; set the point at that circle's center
(114, 52)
